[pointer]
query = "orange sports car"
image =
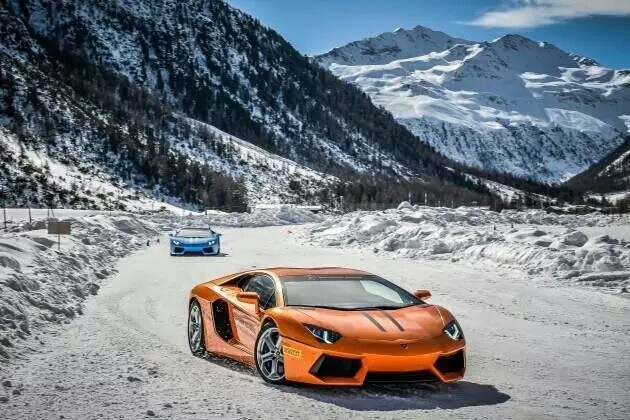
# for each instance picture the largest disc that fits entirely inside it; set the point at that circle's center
(325, 326)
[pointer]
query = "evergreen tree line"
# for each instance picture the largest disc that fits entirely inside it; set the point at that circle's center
(601, 177)
(369, 193)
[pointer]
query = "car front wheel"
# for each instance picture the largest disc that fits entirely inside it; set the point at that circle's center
(268, 355)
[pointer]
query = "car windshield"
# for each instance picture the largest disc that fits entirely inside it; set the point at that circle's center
(194, 233)
(345, 292)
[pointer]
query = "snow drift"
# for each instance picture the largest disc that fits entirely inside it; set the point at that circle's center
(533, 240)
(278, 216)
(41, 286)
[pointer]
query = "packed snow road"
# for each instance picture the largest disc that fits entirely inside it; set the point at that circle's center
(534, 349)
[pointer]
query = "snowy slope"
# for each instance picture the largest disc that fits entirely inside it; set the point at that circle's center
(191, 101)
(90, 185)
(216, 63)
(611, 175)
(512, 104)
(266, 175)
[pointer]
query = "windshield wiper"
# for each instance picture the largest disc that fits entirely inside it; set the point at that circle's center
(382, 307)
(336, 308)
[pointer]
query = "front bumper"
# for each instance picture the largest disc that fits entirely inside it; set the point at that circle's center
(203, 249)
(443, 360)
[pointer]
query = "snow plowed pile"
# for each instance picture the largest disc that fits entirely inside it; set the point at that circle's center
(282, 215)
(533, 240)
(41, 286)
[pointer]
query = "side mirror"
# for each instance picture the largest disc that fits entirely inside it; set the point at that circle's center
(422, 294)
(250, 298)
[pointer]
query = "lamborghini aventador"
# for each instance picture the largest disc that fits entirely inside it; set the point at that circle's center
(326, 326)
(195, 241)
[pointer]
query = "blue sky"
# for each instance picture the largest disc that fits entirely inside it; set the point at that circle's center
(599, 29)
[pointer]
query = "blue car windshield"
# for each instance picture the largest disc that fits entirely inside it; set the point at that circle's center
(345, 292)
(195, 233)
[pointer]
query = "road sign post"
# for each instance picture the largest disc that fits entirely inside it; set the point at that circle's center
(59, 228)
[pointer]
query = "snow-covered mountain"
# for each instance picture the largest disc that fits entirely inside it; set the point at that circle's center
(511, 104)
(390, 46)
(186, 100)
(610, 176)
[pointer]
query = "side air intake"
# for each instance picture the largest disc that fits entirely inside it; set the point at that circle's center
(221, 317)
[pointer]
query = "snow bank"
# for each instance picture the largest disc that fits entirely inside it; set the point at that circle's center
(283, 215)
(537, 242)
(41, 286)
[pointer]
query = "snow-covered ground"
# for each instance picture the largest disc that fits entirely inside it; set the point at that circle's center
(42, 285)
(537, 348)
(532, 241)
(610, 197)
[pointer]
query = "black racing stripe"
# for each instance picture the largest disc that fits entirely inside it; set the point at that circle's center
(375, 322)
(391, 318)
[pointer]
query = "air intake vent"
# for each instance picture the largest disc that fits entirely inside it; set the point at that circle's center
(453, 363)
(337, 367)
(221, 318)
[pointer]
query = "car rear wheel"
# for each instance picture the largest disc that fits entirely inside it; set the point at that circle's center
(195, 329)
(268, 354)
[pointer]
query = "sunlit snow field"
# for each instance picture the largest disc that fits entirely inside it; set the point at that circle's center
(98, 328)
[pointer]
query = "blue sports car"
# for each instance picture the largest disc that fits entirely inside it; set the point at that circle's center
(196, 241)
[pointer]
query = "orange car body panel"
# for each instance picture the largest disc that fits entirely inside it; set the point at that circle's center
(402, 340)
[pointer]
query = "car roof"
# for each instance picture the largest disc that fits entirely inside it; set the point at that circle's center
(305, 271)
(292, 271)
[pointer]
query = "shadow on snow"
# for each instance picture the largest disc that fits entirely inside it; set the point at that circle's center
(391, 397)
(386, 397)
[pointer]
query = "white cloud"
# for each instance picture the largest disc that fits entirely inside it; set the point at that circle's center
(532, 13)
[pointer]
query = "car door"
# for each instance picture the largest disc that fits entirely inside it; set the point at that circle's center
(245, 322)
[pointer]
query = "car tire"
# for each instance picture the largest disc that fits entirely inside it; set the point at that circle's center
(196, 335)
(268, 356)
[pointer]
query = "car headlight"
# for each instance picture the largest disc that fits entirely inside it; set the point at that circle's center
(453, 331)
(211, 242)
(322, 334)
(175, 242)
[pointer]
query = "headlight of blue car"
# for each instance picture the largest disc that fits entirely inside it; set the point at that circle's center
(211, 241)
(175, 242)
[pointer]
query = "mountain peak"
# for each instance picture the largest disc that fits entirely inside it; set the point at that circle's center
(512, 104)
(516, 41)
(584, 61)
(390, 46)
